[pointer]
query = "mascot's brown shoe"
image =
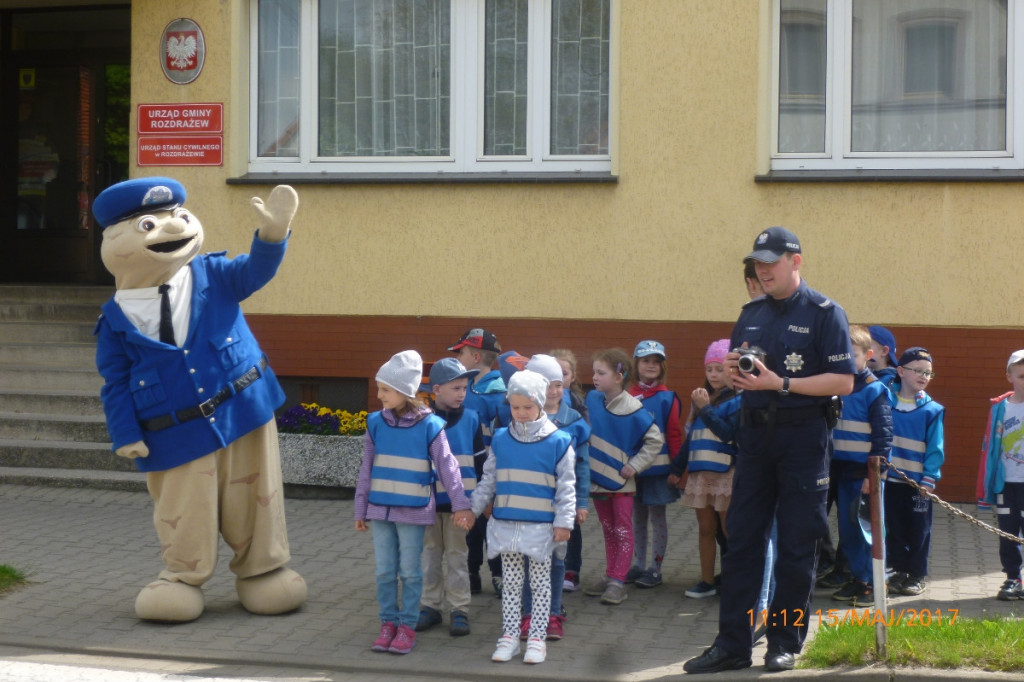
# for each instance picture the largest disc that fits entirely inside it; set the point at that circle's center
(169, 602)
(279, 591)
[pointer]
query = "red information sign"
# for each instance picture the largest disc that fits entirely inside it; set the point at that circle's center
(181, 118)
(181, 150)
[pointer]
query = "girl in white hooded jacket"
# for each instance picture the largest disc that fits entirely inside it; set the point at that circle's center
(529, 480)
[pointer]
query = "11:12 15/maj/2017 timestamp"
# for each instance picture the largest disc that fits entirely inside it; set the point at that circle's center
(832, 617)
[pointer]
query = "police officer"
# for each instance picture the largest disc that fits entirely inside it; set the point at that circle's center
(783, 461)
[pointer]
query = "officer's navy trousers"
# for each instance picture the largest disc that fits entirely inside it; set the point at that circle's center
(780, 473)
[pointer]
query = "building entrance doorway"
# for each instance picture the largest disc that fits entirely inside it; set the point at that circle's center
(64, 113)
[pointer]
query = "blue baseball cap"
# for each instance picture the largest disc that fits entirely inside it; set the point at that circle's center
(130, 197)
(509, 363)
(884, 337)
(449, 369)
(649, 347)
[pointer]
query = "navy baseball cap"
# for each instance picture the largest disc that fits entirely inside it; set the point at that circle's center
(139, 195)
(770, 245)
(884, 337)
(449, 369)
(915, 353)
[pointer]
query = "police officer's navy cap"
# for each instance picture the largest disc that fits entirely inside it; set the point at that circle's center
(139, 195)
(770, 245)
(645, 348)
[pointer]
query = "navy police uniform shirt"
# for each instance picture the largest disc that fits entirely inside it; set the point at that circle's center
(803, 335)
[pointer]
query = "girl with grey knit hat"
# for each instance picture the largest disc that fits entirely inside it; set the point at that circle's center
(529, 477)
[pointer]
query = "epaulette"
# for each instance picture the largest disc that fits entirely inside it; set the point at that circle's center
(820, 299)
(759, 299)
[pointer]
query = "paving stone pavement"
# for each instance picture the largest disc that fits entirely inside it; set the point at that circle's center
(89, 551)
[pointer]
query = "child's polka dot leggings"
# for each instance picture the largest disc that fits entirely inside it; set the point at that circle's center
(513, 568)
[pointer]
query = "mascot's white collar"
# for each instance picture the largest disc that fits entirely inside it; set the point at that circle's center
(177, 280)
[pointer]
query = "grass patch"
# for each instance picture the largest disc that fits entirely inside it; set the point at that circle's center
(993, 644)
(10, 578)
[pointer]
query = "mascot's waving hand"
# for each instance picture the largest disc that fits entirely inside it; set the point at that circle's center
(190, 396)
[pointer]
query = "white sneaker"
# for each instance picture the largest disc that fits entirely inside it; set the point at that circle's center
(536, 651)
(508, 646)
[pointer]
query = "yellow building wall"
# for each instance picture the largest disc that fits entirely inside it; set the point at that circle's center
(691, 87)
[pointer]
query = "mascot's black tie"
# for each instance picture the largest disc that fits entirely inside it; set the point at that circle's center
(166, 328)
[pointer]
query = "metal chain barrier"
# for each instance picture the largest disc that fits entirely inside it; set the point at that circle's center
(950, 508)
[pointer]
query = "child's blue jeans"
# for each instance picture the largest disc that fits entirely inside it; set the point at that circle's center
(397, 548)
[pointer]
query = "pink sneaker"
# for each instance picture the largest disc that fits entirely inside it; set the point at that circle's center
(555, 628)
(404, 641)
(524, 628)
(387, 633)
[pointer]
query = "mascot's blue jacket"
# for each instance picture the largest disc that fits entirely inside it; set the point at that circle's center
(146, 379)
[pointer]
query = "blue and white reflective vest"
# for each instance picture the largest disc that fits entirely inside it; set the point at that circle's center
(526, 476)
(460, 439)
(660, 406)
(484, 396)
(851, 438)
(708, 452)
(402, 474)
(909, 429)
(613, 440)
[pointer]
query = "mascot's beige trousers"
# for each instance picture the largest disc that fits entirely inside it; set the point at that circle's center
(236, 491)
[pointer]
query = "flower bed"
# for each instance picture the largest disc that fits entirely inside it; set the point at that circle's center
(320, 446)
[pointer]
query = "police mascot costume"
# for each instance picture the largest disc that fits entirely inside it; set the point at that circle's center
(189, 395)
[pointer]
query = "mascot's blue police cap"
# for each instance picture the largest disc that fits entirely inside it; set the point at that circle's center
(127, 198)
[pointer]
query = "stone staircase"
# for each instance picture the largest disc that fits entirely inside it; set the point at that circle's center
(52, 430)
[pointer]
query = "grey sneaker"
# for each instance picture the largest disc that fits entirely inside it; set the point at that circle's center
(615, 593)
(650, 578)
(598, 588)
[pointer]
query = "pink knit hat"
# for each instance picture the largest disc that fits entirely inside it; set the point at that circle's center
(716, 352)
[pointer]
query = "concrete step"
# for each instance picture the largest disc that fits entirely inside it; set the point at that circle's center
(51, 402)
(133, 481)
(84, 313)
(57, 355)
(49, 427)
(48, 332)
(44, 454)
(47, 378)
(56, 293)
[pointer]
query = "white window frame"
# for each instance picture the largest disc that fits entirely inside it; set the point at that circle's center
(838, 119)
(466, 110)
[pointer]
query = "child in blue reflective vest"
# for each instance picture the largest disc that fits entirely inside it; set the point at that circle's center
(864, 430)
(653, 493)
(444, 542)
(567, 419)
(917, 451)
(529, 481)
(405, 445)
(708, 454)
(624, 441)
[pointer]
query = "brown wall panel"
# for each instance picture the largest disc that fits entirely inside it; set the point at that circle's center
(970, 362)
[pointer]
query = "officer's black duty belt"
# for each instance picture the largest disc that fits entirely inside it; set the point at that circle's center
(207, 407)
(783, 415)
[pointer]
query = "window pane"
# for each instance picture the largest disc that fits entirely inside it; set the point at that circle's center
(278, 73)
(384, 68)
(505, 61)
(802, 63)
(579, 76)
(948, 92)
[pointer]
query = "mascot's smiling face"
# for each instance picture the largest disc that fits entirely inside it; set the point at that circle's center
(146, 249)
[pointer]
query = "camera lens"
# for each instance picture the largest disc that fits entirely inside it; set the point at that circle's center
(746, 363)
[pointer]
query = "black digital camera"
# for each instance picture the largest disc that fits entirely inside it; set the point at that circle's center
(747, 357)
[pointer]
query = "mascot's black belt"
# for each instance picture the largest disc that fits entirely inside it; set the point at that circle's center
(206, 408)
